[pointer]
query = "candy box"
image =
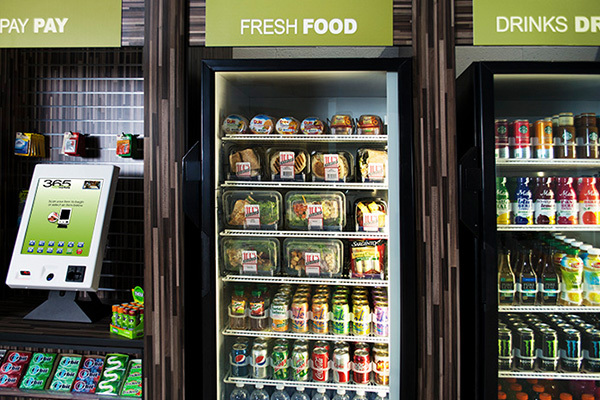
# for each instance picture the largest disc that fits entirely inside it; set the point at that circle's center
(65, 372)
(115, 366)
(89, 374)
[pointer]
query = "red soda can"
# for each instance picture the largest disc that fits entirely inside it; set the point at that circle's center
(320, 365)
(322, 344)
(341, 365)
(361, 367)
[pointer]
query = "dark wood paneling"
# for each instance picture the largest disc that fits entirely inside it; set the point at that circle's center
(463, 22)
(436, 182)
(132, 26)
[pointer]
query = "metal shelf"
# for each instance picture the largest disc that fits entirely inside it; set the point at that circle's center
(309, 336)
(556, 163)
(549, 228)
(307, 138)
(548, 309)
(314, 234)
(305, 280)
(307, 185)
(553, 375)
(371, 387)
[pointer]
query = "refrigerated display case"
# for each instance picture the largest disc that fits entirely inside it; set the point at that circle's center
(276, 209)
(529, 232)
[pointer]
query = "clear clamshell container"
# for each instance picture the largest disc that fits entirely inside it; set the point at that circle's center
(313, 257)
(370, 215)
(245, 164)
(315, 211)
(332, 166)
(372, 165)
(288, 164)
(251, 256)
(261, 210)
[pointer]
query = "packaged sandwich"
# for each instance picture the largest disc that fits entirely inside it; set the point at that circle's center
(369, 125)
(313, 126)
(288, 164)
(372, 165)
(287, 126)
(370, 215)
(262, 125)
(331, 167)
(341, 124)
(245, 164)
(252, 210)
(367, 259)
(234, 124)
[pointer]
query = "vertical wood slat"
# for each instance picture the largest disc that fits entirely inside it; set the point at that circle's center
(164, 132)
(435, 169)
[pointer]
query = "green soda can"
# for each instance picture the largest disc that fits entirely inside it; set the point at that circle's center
(341, 321)
(300, 363)
(279, 359)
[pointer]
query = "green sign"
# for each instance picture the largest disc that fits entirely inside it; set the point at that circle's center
(536, 22)
(299, 23)
(60, 23)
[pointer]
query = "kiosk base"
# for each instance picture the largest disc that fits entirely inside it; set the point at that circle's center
(63, 306)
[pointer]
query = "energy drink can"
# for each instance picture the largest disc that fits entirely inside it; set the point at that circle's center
(592, 350)
(548, 355)
(504, 349)
(525, 349)
(570, 353)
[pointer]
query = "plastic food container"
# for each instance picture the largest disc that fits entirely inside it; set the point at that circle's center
(313, 126)
(316, 211)
(372, 165)
(313, 257)
(287, 126)
(368, 259)
(369, 125)
(341, 124)
(252, 210)
(288, 164)
(251, 256)
(245, 164)
(332, 167)
(234, 124)
(262, 125)
(370, 215)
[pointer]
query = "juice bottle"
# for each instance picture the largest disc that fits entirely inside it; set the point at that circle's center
(258, 319)
(548, 282)
(503, 211)
(589, 202)
(571, 268)
(527, 286)
(237, 309)
(523, 207)
(506, 279)
(566, 207)
(591, 278)
(544, 202)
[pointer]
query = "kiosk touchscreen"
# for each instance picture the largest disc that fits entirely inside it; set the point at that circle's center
(62, 235)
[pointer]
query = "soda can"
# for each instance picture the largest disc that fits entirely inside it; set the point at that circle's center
(282, 342)
(320, 317)
(361, 324)
(570, 353)
(341, 365)
(525, 349)
(341, 318)
(320, 365)
(361, 367)
(239, 360)
(381, 323)
(322, 344)
(592, 350)
(341, 345)
(279, 315)
(300, 316)
(504, 349)
(279, 360)
(501, 130)
(300, 363)
(520, 135)
(259, 361)
(548, 344)
(381, 359)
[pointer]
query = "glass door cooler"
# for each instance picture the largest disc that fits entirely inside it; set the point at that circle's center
(530, 230)
(307, 223)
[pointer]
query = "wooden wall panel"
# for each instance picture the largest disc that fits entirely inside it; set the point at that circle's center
(463, 21)
(436, 182)
(132, 26)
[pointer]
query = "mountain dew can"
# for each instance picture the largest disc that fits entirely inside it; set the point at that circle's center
(279, 359)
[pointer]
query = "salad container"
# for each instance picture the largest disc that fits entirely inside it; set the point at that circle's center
(251, 256)
(313, 257)
(252, 210)
(315, 211)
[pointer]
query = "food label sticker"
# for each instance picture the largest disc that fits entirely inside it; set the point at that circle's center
(376, 171)
(252, 216)
(312, 264)
(243, 169)
(314, 213)
(286, 164)
(370, 222)
(249, 261)
(331, 162)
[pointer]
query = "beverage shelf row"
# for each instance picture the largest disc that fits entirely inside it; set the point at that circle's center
(548, 309)
(314, 234)
(307, 138)
(369, 186)
(556, 163)
(305, 280)
(548, 228)
(309, 336)
(549, 375)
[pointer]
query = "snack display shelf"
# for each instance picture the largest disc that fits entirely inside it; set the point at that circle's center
(548, 309)
(45, 394)
(371, 387)
(306, 280)
(556, 163)
(308, 138)
(549, 228)
(583, 375)
(307, 185)
(308, 336)
(313, 234)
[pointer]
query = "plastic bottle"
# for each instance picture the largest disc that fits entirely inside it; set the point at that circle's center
(522, 396)
(523, 206)
(342, 395)
(591, 278)
(299, 394)
(544, 202)
(380, 396)
(566, 202)
(506, 279)
(589, 202)
(280, 393)
(237, 309)
(527, 281)
(239, 393)
(360, 395)
(258, 319)
(320, 395)
(259, 393)
(571, 291)
(503, 208)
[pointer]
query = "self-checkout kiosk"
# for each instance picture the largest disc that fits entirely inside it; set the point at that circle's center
(62, 236)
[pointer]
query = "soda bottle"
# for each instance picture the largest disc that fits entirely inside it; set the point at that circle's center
(299, 394)
(506, 279)
(360, 395)
(239, 393)
(320, 395)
(259, 393)
(544, 202)
(523, 206)
(571, 268)
(591, 278)
(527, 281)
(589, 202)
(280, 393)
(566, 206)
(503, 208)
(548, 282)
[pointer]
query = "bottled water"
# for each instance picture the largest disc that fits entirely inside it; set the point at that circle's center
(280, 394)
(341, 395)
(259, 393)
(239, 393)
(320, 395)
(360, 395)
(381, 396)
(300, 395)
